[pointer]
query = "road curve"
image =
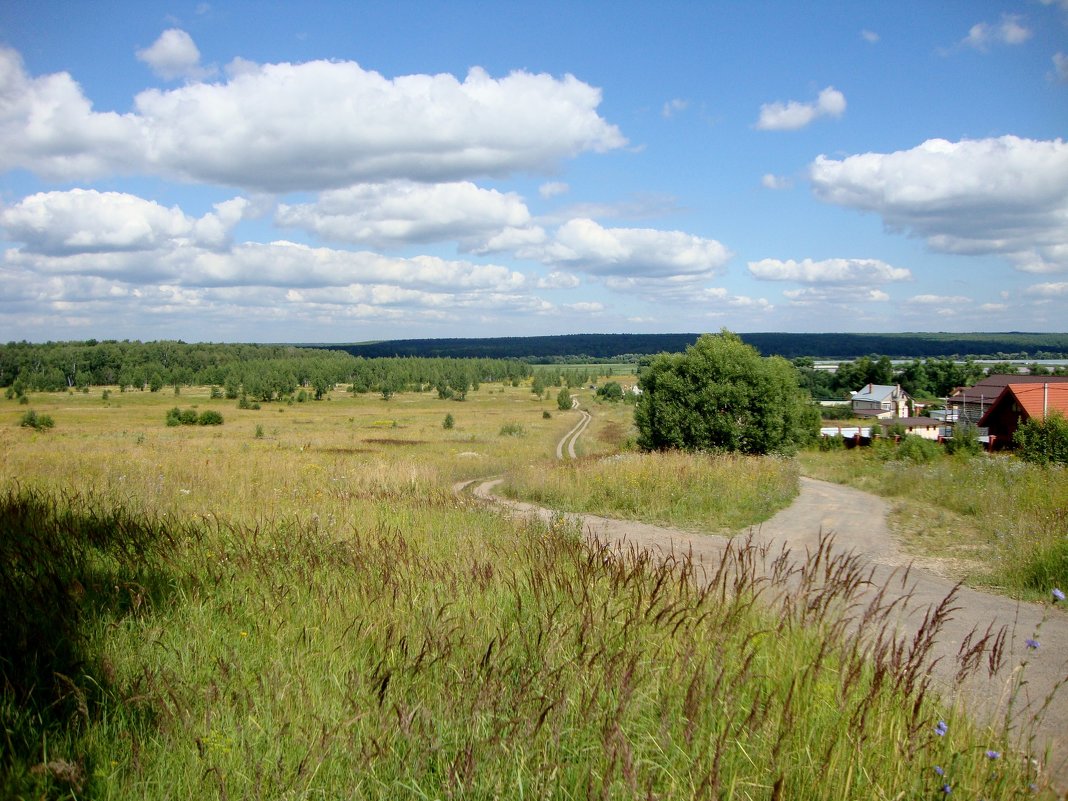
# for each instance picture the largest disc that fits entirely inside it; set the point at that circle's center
(571, 437)
(857, 522)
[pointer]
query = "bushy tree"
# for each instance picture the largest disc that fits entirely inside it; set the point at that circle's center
(722, 395)
(1043, 441)
(610, 391)
(563, 399)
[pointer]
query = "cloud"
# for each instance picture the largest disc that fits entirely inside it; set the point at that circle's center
(871, 37)
(174, 55)
(1060, 67)
(1009, 31)
(1006, 196)
(553, 189)
(939, 300)
(836, 296)
(558, 280)
(586, 307)
(308, 126)
(673, 107)
(790, 116)
(87, 221)
(403, 212)
(584, 245)
(775, 182)
(828, 271)
(1049, 290)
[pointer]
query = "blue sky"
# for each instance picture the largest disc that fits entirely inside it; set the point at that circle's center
(338, 172)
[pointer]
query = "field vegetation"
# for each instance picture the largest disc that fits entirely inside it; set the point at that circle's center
(295, 603)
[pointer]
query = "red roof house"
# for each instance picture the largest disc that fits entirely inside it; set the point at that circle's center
(1018, 403)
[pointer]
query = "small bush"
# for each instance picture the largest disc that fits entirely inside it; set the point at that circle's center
(210, 418)
(910, 449)
(259, 432)
(1043, 441)
(245, 403)
(189, 417)
(448, 422)
(174, 416)
(563, 400)
(216, 393)
(302, 397)
(38, 422)
(546, 415)
(511, 430)
(842, 411)
(23, 400)
(834, 443)
(965, 440)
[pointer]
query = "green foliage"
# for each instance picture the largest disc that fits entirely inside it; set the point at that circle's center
(1043, 441)
(448, 422)
(189, 417)
(511, 430)
(38, 422)
(563, 399)
(722, 395)
(842, 411)
(833, 443)
(216, 393)
(546, 415)
(610, 391)
(965, 440)
(259, 431)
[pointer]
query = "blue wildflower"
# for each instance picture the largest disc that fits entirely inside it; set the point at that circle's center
(992, 754)
(941, 728)
(939, 771)
(1057, 595)
(1032, 643)
(947, 789)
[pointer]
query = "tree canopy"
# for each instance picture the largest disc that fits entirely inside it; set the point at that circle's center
(722, 395)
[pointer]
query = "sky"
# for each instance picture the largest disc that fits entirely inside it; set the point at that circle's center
(352, 171)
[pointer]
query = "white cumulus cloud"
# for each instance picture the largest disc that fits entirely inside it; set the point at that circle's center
(403, 212)
(1006, 196)
(792, 115)
(585, 245)
(828, 271)
(308, 126)
(1009, 31)
(88, 221)
(174, 55)
(775, 182)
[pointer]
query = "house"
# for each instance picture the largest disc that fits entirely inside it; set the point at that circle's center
(1020, 402)
(881, 401)
(971, 403)
(925, 427)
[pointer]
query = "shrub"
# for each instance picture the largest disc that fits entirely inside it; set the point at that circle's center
(216, 393)
(611, 391)
(910, 449)
(842, 411)
(563, 400)
(38, 422)
(210, 418)
(188, 417)
(546, 415)
(1043, 441)
(448, 422)
(835, 443)
(174, 416)
(259, 431)
(965, 440)
(511, 430)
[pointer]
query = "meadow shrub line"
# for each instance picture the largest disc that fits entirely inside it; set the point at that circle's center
(189, 417)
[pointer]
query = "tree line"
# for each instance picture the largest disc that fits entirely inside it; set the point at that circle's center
(259, 372)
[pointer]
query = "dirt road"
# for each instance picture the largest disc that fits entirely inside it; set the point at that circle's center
(857, 522)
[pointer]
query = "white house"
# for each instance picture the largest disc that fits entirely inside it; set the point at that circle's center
(881, 401)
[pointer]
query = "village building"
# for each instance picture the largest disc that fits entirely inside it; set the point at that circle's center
(1019, 402)
(881, 401)
(969, 404)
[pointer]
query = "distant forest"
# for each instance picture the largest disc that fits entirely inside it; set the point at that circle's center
(628, 347)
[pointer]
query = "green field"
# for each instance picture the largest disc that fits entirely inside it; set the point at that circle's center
(297, 604)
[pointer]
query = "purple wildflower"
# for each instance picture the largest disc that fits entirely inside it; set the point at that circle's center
(1057, 595)
(939, 771)
(1032, 643)
(947, 789)
(941, 728)
(992, 754)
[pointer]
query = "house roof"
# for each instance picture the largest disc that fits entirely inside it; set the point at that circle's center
(1033, 398)
(991, 386)
(876, 393)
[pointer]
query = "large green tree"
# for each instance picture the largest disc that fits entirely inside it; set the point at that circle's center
(722, 395)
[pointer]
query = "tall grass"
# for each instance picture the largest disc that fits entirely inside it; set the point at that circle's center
(718, 493)
(1008, 518)
(458, 654)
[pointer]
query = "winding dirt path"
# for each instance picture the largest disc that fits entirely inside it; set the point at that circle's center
(858, 523)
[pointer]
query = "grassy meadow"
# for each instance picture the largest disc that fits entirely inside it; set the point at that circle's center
(296, 604)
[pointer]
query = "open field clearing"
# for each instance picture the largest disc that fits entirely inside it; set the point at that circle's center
(295, 604)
